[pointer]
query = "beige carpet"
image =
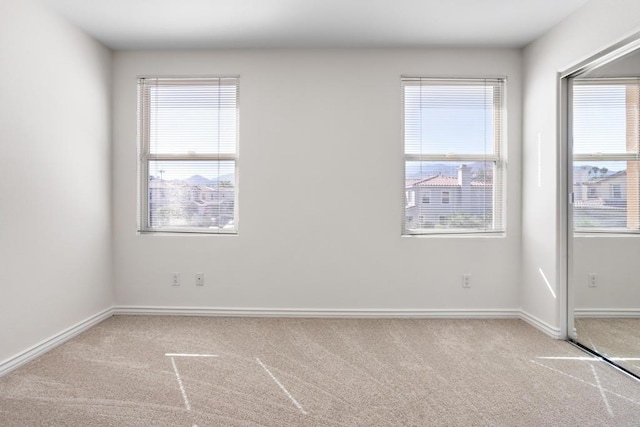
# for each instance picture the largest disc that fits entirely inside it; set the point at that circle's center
(614, 338)
(316, 372)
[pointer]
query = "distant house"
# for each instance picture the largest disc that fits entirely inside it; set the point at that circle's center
(441, 200)
(211, 206)
(600, 201)
(159, 202)
(179, 203)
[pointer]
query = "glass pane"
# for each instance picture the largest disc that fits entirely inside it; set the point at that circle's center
(599, 118)
(187, 119)
(443, 119)
(606, 195)
(450, 195)
(188, 194)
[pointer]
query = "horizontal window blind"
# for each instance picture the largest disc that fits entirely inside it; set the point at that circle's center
(606, 155)
(453, 149)
(188, 141)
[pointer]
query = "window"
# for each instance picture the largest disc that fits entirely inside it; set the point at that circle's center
(606, 156)
(188, 155)
(445, 197)
(453, 145)
(616, 191)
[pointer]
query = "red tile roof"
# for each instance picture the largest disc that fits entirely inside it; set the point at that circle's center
(438, 181)
(442, 181)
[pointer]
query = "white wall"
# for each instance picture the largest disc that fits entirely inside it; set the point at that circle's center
(55, 242)
(594, 27)
(320, 140)
(615, 261)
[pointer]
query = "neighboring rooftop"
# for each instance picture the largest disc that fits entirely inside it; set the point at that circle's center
(442, 181)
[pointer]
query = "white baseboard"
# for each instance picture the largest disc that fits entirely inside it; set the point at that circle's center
(39, 349)
(543, 326)
(316, 313)
(345, 313)
(606, 312)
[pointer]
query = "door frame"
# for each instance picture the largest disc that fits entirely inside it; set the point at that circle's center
(565, 172)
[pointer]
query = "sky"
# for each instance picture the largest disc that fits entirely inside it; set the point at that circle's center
(186, 169)
(435, 124)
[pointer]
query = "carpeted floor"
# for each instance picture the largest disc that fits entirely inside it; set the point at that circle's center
(615, 338)
(204, 371)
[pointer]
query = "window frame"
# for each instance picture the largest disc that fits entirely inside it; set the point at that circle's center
(498, 158)
(145, 156)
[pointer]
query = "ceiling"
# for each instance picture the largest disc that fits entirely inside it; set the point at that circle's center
(194, 24)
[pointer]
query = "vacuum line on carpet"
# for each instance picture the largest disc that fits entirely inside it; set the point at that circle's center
(189, 355)
(604, 396)
(569, 358)
(586, 382)
(295, 402)
(184, 393)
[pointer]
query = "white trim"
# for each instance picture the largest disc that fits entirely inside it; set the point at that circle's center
(320, 313)
(564, 211)
(565, 238)
(552, 331)
(39, 349)
(606, 312)
(622, 47)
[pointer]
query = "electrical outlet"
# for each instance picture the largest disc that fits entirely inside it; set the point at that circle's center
(592, 280)
(466, 280)
(175, 279)
(199, 279)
